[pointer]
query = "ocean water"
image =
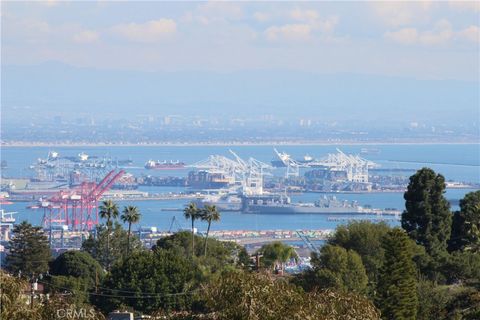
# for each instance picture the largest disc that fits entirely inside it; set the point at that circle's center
(459, 162)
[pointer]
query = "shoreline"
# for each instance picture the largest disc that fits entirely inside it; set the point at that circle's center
(237, 144)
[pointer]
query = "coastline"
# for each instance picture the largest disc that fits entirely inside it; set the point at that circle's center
(235, 143)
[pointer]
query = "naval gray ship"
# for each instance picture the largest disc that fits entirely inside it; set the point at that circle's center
(325, 205)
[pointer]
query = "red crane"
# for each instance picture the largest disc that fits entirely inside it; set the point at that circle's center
(78, 207)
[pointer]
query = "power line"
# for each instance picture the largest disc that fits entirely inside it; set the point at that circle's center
(125, 296)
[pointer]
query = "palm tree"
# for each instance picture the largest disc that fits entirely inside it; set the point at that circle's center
(108, 210)
(277, 253)
(209, 214)
(193, 213)
(130, 215)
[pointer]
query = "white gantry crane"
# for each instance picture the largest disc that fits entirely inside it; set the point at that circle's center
(293, 166)
(246, 174)
(253, 172)
(355, 167)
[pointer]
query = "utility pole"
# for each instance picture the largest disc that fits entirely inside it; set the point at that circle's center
(33, 287)
(96, 280)
(257, 261)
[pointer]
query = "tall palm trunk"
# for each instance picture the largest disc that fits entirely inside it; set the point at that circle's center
(193, 237)
(206, 238)
(108, 243)
(128, 238)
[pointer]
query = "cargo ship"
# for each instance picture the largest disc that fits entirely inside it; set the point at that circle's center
(164, 165)
(281, 204)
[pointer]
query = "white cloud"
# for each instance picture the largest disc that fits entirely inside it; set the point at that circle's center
(214, 11)
(327, 25)
(401, 13)
(311, 25)
(409, 36)
(441, 34)
(294, 32)
(30, 30)
(304, 14)
(147, 32)
(403, 36)
(227, 10)
(49, 3)
(465, 5)
(261, 16)
(86, 36)
(471, 33)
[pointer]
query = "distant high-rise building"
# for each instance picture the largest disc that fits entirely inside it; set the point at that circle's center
(305, 122)
(167, 120)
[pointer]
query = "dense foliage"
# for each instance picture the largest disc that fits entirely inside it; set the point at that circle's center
(239, 295)
(427, 217)
(148, 281)
(397, 287)
(77, 264)
(14, 304)
(334, 268)
(29, 251)
(98, 246)
(365, 238)
(220, 254)
(466, 224)
(75, 271)
(275, 254)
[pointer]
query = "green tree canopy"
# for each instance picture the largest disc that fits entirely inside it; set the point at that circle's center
(275, 253)
(433, 301)
(209, 214)
(130, 215)
(193, 213)
(427, 218)
(221, 254)
(466, 224)
(29, 251)
(365, 238)
(150, 280)
(108, 211)
(397, 288)
(339, 268)
(13, 305)
(78, 264)
(98, 246)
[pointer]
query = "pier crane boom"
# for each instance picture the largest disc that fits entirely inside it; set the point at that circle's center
(77, 208)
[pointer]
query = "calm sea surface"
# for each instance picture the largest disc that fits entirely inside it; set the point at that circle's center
(455, 162)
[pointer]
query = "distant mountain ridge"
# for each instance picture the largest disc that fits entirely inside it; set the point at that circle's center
(58, 88)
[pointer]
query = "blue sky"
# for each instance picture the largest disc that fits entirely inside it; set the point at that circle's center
(422, 40)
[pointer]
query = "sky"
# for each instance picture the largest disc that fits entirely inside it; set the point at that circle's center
(411, 41)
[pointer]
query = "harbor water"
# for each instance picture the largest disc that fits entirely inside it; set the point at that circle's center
(457, 162)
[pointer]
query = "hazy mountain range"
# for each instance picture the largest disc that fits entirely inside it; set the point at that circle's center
(58, 89)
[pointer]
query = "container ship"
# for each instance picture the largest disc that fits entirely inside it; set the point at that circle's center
(164, 165)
